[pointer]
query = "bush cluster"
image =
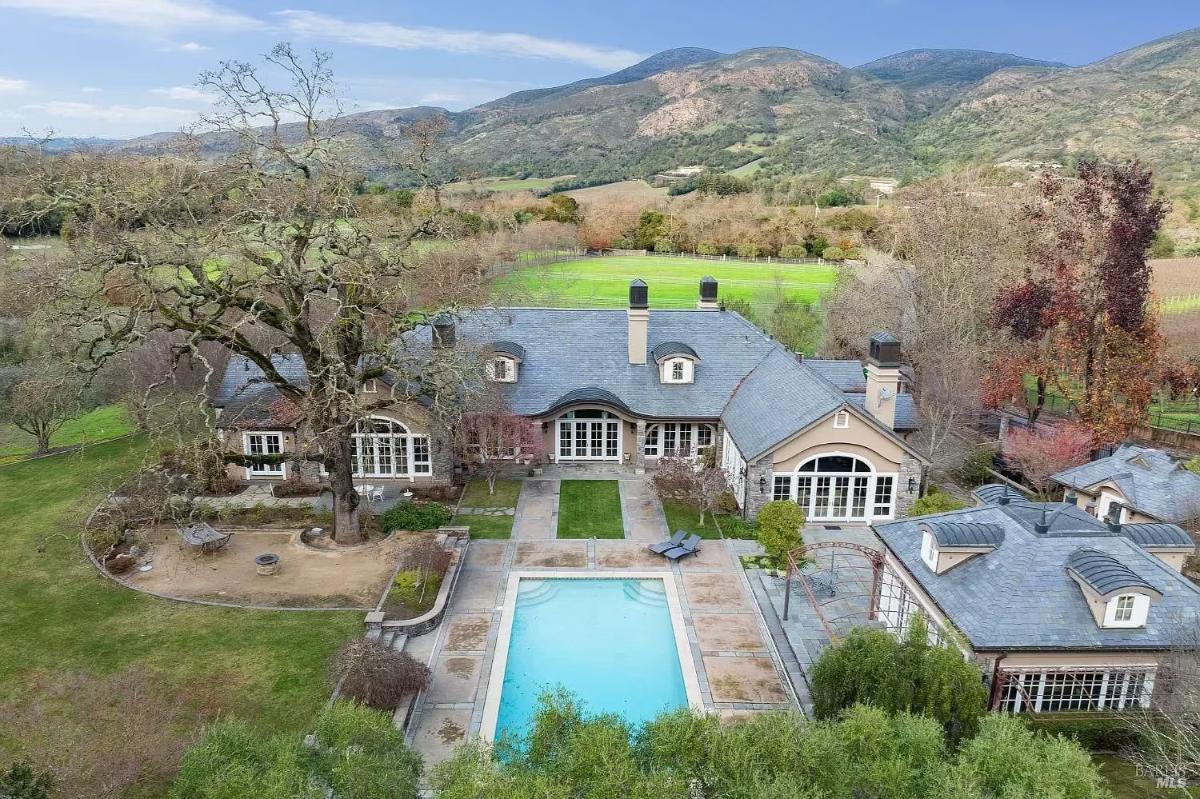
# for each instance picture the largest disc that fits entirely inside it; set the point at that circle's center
(415, 516)
(936, 501)
(376, 675)
(779, 524)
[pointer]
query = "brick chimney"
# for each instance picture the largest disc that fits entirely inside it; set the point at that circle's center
(443, 331)
(883, 378)
(708, 294)
(639, 320)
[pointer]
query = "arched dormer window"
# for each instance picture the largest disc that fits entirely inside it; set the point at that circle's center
(501, 369)
(1127, 610)
(677, 370)
(929, 550)
(676, 362)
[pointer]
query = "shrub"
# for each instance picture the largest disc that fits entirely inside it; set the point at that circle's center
(974, 469)
(415, 589)
(935, 502)
(779, 524)
(737, 527)
(415, 516)
(1096, 734)
(834, 254)
(727, 502)
(708, 248)
(296, 487)
(376, 675)
(748, 250)
(793, 251)
(664, 245)
(873, 667)
(22, 782)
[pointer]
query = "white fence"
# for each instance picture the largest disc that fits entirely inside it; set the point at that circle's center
(763, 259)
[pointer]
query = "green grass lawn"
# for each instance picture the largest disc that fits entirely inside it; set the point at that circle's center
(62, 622)
(476, 495)
(485, 526)
(1179, 305)
(674, 282)
(681, 517)
(100, 424)
(589, 509)
(505, 184)
(1124, 782)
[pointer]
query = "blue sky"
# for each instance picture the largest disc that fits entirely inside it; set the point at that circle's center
(119, 68)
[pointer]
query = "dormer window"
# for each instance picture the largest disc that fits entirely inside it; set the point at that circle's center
(677, 370)
(929, 551)
(1127, 610)
(841, 420)
(502, 370)
(370, 387)
(676, 362)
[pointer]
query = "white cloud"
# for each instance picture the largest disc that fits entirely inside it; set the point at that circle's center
(374, 93)
(399, 37)
(186, 94)
(192, 47)
(139, 117)
(12, 85)
(159, 15)
(91, 90)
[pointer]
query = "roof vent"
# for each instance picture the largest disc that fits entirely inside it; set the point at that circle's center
(885, 350)
(708, 294)
(639, 294)
(1042, 526)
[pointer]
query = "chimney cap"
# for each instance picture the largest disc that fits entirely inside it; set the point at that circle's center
(708, 288)
(639, 294)
(885, 349)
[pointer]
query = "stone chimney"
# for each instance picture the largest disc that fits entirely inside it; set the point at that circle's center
(883, 378)
(639, 320)
(708, 294)
(443, 331)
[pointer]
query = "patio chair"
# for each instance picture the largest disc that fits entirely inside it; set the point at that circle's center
(202, 535)
(689, 547)
(673, 542)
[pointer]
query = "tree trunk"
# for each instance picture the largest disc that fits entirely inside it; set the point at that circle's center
(346, 529)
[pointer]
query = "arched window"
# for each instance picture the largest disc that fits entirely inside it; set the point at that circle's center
(385, 448)
(677, 439)
(839, 487)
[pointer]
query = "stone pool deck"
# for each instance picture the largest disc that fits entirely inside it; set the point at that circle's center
(737, 668)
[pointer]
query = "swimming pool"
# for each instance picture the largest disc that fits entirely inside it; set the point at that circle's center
(617, 643)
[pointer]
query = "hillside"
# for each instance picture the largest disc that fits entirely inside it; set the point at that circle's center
(930, 78)
(795, 112)
(1144, 101)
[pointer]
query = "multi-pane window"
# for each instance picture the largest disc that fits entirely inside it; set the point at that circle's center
(677, 439)
(883, 495)
(502, 370)
(589, 434)
(783, 487)
(677, 371)
(1124, 608)
(384, 448)
(1072, 690)
(264, 444)
(838, 487)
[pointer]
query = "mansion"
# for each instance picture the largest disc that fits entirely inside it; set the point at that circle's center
(631, 386)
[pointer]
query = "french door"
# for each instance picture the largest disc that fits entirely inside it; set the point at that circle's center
(593, 436)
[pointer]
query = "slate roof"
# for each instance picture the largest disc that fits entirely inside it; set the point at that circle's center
(1103, 572)
(1158, 535)
(1020, 596)
(759, 389)
(672, 348)
(846, 375)
(1153, 482)
(907, 417)
(247, 399)
(965, 534)
(993, 493)
(509, 348)
(779, 398)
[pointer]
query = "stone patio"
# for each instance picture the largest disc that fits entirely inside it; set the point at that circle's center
(738, 668)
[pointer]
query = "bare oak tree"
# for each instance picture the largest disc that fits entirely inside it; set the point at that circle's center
(264, 252)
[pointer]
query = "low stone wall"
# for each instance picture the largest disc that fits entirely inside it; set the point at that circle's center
(377, 620)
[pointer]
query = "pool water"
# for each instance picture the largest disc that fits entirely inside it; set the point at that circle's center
(609, 642)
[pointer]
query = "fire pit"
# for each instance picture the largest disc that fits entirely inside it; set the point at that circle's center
(267, 564)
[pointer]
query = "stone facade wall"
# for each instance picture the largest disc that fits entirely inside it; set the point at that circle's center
(757, 497)
(910, 468)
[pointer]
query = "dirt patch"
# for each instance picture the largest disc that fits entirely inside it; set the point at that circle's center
(450, 732)
(627, 554)
(728, 633)
(713, 591)
(468, 633)
(744, 679)
(552, 555)
(307, 577)
(462, 668)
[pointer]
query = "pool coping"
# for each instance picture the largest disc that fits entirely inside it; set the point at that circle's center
(687, 665)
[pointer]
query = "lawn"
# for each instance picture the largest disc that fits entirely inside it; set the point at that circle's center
(589, 509)
(506, 184)
(476, 495)
(100, 424)
(1125, 783)
(485, 526)
(64, 627)
(682, 517)
(674, 282)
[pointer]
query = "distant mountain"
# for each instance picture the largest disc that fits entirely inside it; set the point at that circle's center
(795, 112)
(61, 145)
(932, 77)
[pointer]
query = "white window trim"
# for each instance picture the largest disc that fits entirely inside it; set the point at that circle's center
(1106, 500)
(688, 370)
(734, 466)
(655, 450)
(490, 368)
(872, 479)
(268, 471)
(370, 387)
(604, 422)
(1141, 610)
(409, 470)
(929, 550)
(841, 420)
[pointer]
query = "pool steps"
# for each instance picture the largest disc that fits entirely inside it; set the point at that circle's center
(651, 593)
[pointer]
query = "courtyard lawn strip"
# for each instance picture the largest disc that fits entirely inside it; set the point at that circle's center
(674, 282)
(589, 509)
(62, 619)
(681, 517)
(485, 526)
(476, 494)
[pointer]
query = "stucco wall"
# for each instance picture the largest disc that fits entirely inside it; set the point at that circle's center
(859, 438)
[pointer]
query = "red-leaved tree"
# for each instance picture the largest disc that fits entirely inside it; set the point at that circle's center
(490, 442)
(1080, 322)
(1043, 451)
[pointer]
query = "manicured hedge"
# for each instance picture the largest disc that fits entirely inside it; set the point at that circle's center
(415, 516)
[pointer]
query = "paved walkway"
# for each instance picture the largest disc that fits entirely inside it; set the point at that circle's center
(536, 517)
(641, 511)
(260, 494)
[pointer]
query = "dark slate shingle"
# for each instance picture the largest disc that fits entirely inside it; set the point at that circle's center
(1152, 481)
(1103, 572)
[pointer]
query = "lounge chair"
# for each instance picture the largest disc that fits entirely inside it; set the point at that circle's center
(663, 546)
(689, 547)
(202, 535)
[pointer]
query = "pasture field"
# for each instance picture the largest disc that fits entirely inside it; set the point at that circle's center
(506, 184)
(100, 424)
(624, 190)
(1177, 288)
(674, 282)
